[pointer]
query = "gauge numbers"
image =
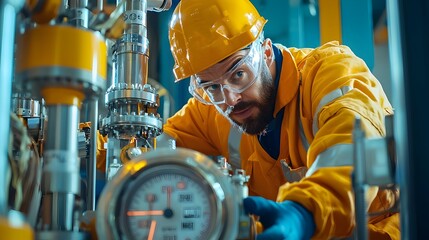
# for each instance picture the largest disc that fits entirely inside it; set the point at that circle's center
(168, 202)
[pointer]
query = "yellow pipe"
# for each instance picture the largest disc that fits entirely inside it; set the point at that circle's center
(330, 20)
(62, 96)
(62, 46)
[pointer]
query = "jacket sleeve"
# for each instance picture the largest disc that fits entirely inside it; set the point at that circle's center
(199, 127)
(327, 193)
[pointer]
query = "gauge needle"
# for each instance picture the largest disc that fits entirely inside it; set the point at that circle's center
(146, 213)
(152, 230)
(169, 197)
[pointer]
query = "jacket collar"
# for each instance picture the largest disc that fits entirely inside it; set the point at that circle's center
(288, 81)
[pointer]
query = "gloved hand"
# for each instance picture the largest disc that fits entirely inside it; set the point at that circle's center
(286, 220)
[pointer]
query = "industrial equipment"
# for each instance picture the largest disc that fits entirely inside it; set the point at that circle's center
(374, 162)
(12, 222)
(132, 103)
(62, 53)
(174, 194)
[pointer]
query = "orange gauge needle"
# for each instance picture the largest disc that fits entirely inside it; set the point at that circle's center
(146, 213)
(152, 230)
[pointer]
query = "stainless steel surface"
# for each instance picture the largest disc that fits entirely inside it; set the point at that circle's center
(61, 207)
(137, 92)
(132, 67)
(8, 10)
(158, 5)
(78, 13)
(127, 126)
(100, 5)
(57, 212)
(62, 133)
(61, 170)
(245, 225)
(92, 166)
(25, 106)
(359, 181)
(32, 113)
(61, 235)
(131, 102)
(77, 3)
(55, 76)
(401, 125)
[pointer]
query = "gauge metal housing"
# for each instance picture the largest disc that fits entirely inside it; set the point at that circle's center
(203, 174)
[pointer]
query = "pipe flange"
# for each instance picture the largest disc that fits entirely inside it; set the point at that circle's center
(36, 79)
(144, 96)
(147, 125)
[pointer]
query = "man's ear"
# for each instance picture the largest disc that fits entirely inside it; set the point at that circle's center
(268, 51)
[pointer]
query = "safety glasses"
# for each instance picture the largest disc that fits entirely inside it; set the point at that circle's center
(237, 79)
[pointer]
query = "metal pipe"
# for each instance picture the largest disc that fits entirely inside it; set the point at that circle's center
(132, 51)
(100, 5)
(79, 13)
(61, 170)
(359, 181)
(92, 166)
(8, 10)
(131, 101)
(400, 119)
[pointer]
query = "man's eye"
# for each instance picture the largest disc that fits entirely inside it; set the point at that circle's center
(214, 87)
(238, 76)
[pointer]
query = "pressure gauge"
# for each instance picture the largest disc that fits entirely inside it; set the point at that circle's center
(168, 194)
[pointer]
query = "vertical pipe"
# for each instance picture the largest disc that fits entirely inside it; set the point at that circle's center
(8, 11)
(61, 176)
(79, 13)
(100, 5)
(330, 20)
(400, 127)
(409, 36)
(359, 181)
(133, 49)
(92, 166)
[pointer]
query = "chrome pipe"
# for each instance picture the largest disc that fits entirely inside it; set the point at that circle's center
(92, 166)
(359, 181)
(400, 118)
(61, 170)
(78, 12)
(8, 10)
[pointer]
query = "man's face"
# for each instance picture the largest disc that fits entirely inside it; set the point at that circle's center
(255, 110)
(252, 109)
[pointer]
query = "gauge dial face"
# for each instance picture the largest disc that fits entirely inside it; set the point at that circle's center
(168, 202)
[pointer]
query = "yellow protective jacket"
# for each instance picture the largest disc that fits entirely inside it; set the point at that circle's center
(307, 76)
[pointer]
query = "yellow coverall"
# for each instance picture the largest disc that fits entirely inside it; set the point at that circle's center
(327, 193)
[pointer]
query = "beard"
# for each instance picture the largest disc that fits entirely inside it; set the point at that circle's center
(255, 125)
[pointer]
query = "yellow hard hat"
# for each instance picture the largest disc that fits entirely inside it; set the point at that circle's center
(204, 32)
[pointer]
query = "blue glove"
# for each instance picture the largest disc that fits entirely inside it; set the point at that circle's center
(286, 220)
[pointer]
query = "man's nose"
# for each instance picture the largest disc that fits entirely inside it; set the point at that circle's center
(231, 97)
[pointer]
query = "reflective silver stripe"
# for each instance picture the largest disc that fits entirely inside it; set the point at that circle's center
(302, 134)
(325, 100)
(234, 140)
(337, 155)
(304, 139)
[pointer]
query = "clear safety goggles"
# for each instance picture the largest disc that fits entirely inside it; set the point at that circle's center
(239, 78)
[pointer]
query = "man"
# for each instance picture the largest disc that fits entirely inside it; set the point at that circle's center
(296, 110)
